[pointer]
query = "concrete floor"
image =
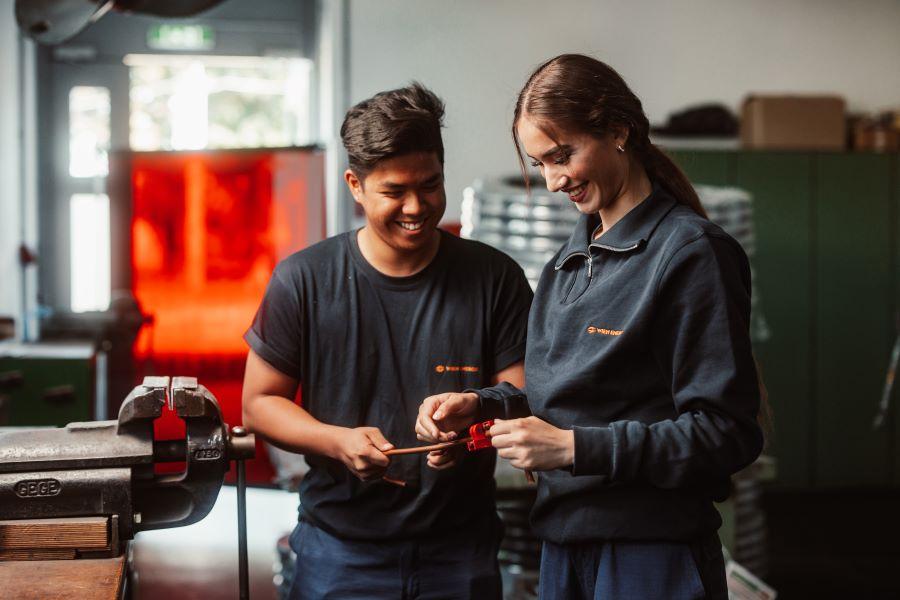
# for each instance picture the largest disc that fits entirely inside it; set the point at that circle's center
(201, 561)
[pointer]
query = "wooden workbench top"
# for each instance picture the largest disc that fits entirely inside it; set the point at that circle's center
(79, 579)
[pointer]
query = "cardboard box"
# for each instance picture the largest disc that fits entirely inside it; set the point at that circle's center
(881, 134)
(793, 123)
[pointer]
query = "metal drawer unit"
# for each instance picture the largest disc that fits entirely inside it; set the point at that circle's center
(58, 383)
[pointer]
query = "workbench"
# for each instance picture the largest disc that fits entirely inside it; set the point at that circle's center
(80, 579)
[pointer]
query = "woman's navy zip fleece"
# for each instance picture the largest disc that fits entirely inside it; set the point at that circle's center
(639, 342)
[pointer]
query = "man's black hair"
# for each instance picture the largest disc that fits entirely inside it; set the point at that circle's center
(391, 124)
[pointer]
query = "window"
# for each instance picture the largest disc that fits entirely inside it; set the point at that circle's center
(88, 131)
(208, 102)
(89, 251)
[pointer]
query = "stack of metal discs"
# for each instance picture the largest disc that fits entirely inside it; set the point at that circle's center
(520, 550)
(529, 228)
(732, 209)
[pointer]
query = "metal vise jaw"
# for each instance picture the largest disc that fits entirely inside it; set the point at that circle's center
(105, 468)
(187, 497)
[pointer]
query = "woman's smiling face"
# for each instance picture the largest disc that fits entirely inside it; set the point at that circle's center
(591, 170)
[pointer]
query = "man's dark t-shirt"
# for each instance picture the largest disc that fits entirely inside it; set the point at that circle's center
(368, 348)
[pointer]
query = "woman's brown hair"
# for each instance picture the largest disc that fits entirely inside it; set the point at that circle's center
(582, 94)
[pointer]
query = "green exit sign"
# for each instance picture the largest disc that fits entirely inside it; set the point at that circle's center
(181, 37)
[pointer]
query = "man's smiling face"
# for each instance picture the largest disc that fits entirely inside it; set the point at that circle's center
(404, 200)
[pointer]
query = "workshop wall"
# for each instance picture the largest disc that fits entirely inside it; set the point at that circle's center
(477, 54)
(10, 169)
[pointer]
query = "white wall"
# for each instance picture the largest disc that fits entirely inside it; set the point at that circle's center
(332, 97)
(18, 177)
(476, 54)
(10, 166)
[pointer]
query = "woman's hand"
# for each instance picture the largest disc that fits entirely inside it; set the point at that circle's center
(441, 416)
(533, 444)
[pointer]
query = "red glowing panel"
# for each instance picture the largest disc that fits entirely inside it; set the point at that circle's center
(207, 230)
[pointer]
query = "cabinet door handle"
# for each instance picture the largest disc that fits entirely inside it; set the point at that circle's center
(61, 394)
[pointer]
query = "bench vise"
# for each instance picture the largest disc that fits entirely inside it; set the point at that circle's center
(105, 469)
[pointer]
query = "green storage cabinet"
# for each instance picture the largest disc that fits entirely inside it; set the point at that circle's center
(854, 295)
(828, 273)
(701, 166)
(782, 205)
(59, 383)
(895, 413)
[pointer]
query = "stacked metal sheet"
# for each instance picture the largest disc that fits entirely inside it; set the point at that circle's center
(732, 209)
(532, 228)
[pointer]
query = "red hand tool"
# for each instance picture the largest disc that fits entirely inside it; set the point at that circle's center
(479, 438)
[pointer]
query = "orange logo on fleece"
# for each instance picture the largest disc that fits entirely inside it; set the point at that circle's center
(455, 369)
(601, 331)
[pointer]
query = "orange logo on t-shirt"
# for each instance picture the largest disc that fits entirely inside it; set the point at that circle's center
(602, 331)
(455, 369)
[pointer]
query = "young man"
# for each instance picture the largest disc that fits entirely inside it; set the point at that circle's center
(368, 323)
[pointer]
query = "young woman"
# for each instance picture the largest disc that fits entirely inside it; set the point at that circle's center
(641, 383)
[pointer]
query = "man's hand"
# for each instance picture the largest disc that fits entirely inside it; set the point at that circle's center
(533, 444)
(443, 459)
(442, 415)
(362, 450)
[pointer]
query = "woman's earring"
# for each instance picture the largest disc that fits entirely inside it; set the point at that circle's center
(620, 148)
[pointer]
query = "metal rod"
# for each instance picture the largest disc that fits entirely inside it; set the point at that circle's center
(885, 403)
(242, 531)
(423, 449)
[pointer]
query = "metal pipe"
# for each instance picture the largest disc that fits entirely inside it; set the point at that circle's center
(242, 531)
(242, 521)
(424, 449)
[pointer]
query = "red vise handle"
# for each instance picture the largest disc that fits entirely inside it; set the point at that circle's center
(481, 438)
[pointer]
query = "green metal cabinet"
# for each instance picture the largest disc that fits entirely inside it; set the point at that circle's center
(711, 168)
(896, 307)
(854, 294)
(782, 211)
(828, 273)
(58, 384)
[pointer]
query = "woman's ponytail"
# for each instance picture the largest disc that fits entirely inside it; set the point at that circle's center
(663, 170)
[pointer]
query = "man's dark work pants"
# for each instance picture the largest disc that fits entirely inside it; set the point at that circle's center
(461, 565)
